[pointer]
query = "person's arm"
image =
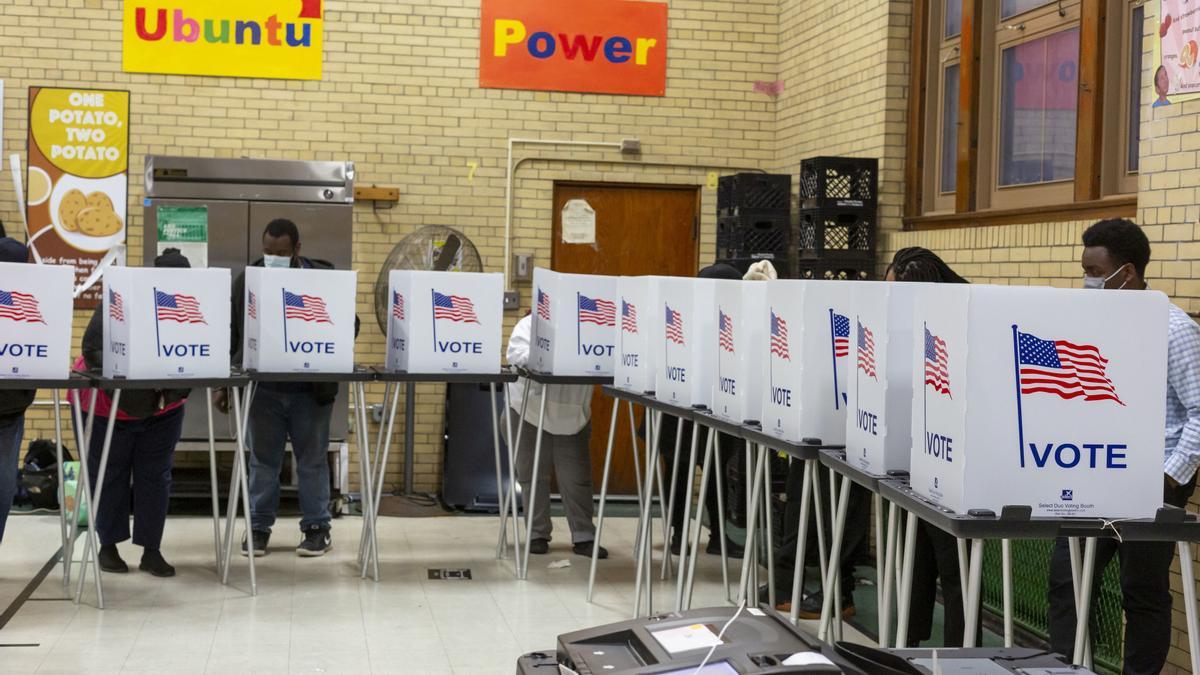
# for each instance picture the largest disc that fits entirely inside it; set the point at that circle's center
(518, 343)
(1183, 376)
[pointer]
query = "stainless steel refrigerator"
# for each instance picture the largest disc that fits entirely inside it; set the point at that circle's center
(240, 197)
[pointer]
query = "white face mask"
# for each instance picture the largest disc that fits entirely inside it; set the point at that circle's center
(277, 261)
(1099, 282)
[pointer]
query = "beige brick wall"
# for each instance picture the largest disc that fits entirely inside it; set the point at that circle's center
(400, 98)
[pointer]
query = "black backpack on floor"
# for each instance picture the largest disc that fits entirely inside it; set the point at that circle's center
(37, 480)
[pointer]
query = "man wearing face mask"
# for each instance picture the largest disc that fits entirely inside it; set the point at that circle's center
(1115, 256)
(283, 411)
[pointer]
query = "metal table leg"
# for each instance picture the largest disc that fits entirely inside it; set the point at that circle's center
(769, 528)
(212, 476)
(1189, 603)
(241, 484)
(888, 570)
(1006, 573)
(92, 543)
(685, 601)
(363, 442)
(822, 551)
(645, 520)
(877, 509)
(509, 499)
(904, 602)
(499, 466)
(1076, 571)
(1083, 611)
(62, 511)
(835, 551)
(719, 526)
(509, 505)
(666, 563)
(533, 482)
(383, 444)
(687, 513)
(755, 492)
(806, 498)
(612, 432)
(974, 588)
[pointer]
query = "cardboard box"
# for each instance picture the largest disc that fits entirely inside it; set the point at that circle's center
(879, 423)
(166, 323)
(574, 323)
(445, 322)
(1063, 407)
(741, 351)
(808, 361)
(299, 320)
(634, 369)
(35, 321)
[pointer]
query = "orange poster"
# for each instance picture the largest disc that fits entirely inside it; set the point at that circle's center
(77, 184)
(596, 46)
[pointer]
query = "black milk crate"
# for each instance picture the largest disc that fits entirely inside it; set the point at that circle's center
(747, 236)
(837, 270)
(839, 181)
(744, 193)
(837, 233)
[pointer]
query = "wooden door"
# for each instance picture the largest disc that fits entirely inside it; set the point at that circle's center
(640, 229)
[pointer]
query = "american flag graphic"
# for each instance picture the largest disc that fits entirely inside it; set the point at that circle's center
(304, 307)
(725, 331)
(177, 307)
(937, 368)
(779, 337)
(21, 307)
(116, 308)
(866, 350)
(674, 326)
(252, 309)
(397, 305)
(628, 317)
(543, 304)
(841, 336)
(454, 307)
(1065, 369)
(597, 311)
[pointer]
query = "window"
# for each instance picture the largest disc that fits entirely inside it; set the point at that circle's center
(1044, 138)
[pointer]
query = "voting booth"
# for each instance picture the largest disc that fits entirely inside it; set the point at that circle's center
(574, 323)
(741, 351)
(444, 322)
(166, 323)
(299, 320)
(1051, 398)
(705, 352)
(879, 414)
(808, 364)
(35, 321)
(634, 369)
(676, 342)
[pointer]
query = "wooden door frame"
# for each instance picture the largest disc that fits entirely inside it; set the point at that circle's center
(555, 231)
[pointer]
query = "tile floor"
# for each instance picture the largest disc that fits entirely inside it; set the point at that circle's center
(316, 615)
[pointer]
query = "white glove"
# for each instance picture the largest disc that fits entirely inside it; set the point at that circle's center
(762, 270)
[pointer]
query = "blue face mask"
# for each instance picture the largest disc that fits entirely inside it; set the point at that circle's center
(276, 261)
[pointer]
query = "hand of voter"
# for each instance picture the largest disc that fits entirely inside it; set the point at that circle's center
(221, 400)
(762, 270)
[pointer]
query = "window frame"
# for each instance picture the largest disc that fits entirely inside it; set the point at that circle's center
(948, 54)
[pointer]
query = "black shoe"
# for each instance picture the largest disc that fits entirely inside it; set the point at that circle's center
(153, 562)
(810, 607)
(261, 538)
(316, 541)
(539, 546)
(110, 560)
(732, 549)
(585, 548)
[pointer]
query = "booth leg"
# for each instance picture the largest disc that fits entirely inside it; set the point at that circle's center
(687, 515)
(662, 493)
(961, 544)
(1189, 603)
(645, 520)
(720, 525)
(373, 511)
(670, 505)
(363, 446)
(974, 591)
(755, 492)
(1006, 573)
(83, 433)
(822, 550)
(243, 475)
(806, 497)
(92, 544)
(499, 466)
(1083, 608)
(877, 511)
(768, 526)
(62, 509)
(835, 550)
(684, 599)
(510, 503)
(383, 446)
(633, 447)
(533, 482)
(612, 432)
(904, 602)
(888, 570)
(212, 475)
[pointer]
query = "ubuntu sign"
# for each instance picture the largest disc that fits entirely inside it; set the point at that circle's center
(596, 46)
(239, 38)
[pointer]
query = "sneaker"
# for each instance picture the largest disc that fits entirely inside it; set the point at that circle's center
(539, 546)
(731, 549)
(261, 537)
(316, 541)
(584, 548)
(810, 607)
(110, 560)
(154, 563)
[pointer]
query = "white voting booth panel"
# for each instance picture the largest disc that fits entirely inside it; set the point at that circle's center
(444, 322)
(634, 369)
(705, 352)
(879, 419)
(166, 323)
(574, 323)
(299, 320)
(35, 321)
(742, 349)
(676, 341)
(808, 364)
(1063, 407)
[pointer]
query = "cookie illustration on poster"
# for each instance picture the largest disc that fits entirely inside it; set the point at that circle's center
(78, 177)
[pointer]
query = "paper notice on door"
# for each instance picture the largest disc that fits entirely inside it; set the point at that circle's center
(184, 228)
(578, 222)
(686, 638)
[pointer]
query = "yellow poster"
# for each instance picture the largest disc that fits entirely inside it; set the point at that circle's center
(239, 38)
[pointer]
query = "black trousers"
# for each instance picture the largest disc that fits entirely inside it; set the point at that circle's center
(1145, 594)
(144, 451)
(935, 558)
(684, 474)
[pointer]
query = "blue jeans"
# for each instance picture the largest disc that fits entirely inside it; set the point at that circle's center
(275, 417)
(142, 451)
(11, 433)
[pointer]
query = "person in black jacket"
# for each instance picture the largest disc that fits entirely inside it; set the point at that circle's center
(282, 411)
(13, 403)
(148, 425)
